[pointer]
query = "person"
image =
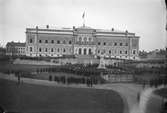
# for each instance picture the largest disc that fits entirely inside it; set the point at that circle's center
(1, 110)
(18, 78)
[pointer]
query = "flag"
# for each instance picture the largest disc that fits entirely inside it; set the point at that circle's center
(83, 16)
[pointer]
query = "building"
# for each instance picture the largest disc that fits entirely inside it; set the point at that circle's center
(82, 42)
(2, 51)
(15, 49)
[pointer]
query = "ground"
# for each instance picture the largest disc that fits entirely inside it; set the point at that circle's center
(43, 98)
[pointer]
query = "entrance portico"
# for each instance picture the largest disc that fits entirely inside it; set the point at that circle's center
(84, 50)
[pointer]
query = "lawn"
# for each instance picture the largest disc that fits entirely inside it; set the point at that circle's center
(37, 98)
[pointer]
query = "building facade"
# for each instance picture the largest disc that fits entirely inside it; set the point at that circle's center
(15, 49)
(81, 42)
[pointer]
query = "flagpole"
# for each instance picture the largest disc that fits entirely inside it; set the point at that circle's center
(83, 17)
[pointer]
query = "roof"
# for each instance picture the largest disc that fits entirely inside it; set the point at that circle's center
(82, 29)
(16, 44)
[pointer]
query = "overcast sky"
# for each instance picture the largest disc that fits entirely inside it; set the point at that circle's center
(146, 18)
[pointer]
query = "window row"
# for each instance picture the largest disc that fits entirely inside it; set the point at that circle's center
(52, 49)
(110, 51)
(115, 52)
(85, 39)
(52, 41)
(115, 44)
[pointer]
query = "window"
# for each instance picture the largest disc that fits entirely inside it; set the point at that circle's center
(120, 52)
(30, 40)
(46, 49)
(70, 42)
(58, 50)
(64, 50)
(104, 43)
(126, 52)
(90, 39)
(52, 50)
(134, 52)
(40, 41)
(40, 50)
(109, 51)
(46, 41)
(31, 49)
(98, 43)
(64, 42)
(90, 52)
(115, 44)
(52, 41)
(85, 51)
(98, 51)
(120, 44)
(58, 41)
(80, 51)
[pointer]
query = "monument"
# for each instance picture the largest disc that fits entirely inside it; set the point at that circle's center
(102, 62)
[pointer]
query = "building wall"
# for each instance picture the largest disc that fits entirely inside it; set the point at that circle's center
(83, 42)
(15, 49)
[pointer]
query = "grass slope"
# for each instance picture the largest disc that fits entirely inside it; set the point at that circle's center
(37, 98)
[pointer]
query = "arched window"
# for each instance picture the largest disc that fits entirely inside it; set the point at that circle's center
(70, 42)
(80, 39)
(80, 51)
(90, 51)
(109, 51)
(90, 39)
(85, 51)
(58, 41)
(85, 39)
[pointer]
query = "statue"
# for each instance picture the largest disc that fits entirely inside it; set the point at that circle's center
(102, 62)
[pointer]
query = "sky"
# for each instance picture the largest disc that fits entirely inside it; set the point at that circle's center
(145, 18)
